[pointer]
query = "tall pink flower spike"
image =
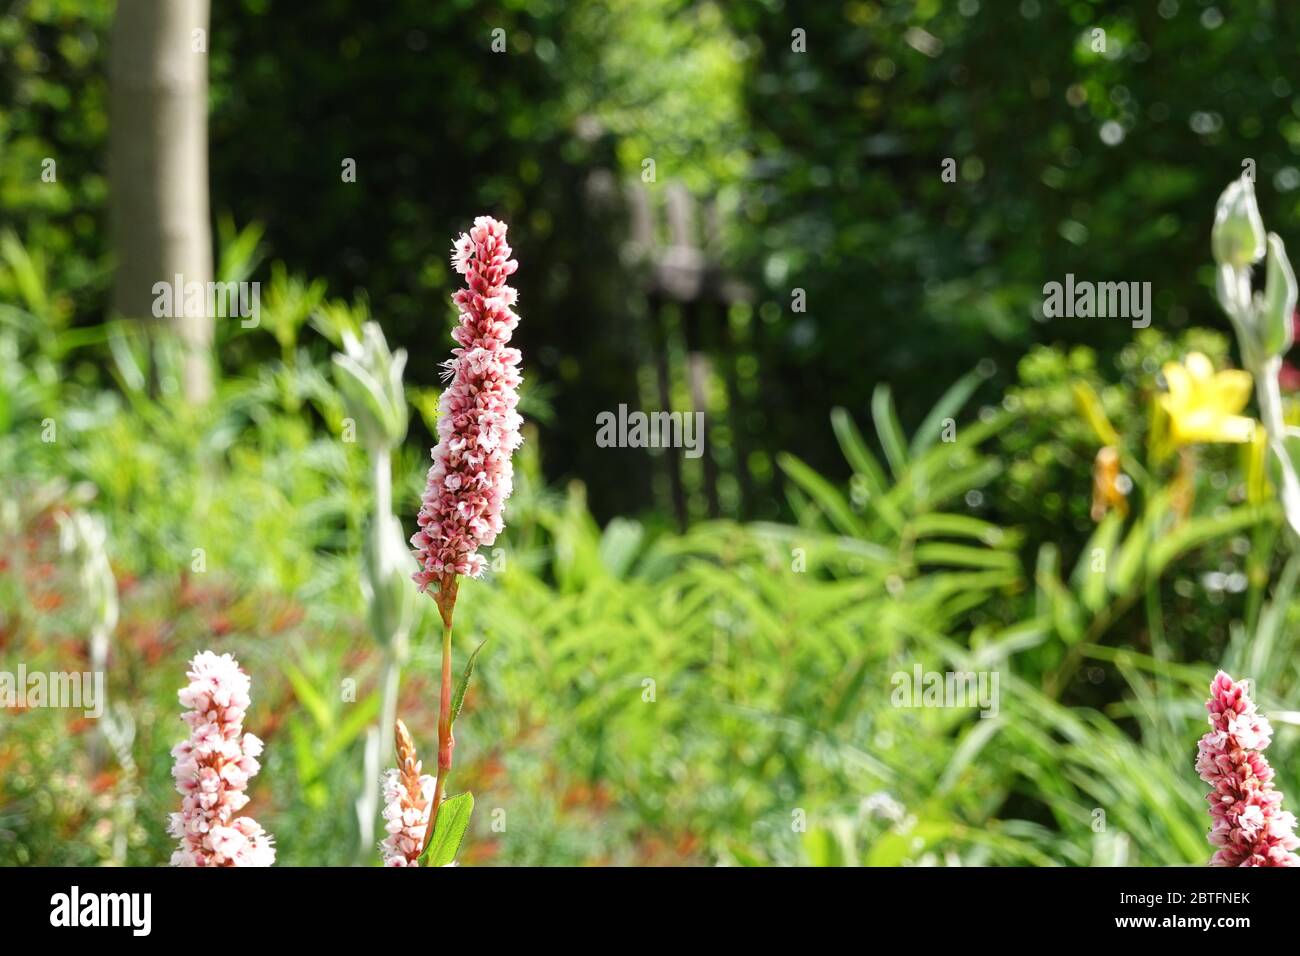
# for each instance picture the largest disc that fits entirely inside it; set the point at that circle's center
(212, 770)
(1250, 826)
(478, 427)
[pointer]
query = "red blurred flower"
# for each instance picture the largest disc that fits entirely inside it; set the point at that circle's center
(1289, 376)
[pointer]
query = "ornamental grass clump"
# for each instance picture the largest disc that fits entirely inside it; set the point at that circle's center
(463, 504)
(213, 768)
(1250, 826)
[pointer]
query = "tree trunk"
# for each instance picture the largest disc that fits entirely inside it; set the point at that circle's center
(158, 168)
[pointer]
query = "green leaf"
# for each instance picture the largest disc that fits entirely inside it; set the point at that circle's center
(1283, 466)
(947, 407)
(449, 829)
(1279, 300)
(619, 545)
(1054, 599)
(1271, 624)
(458, 699)
(824, 493)
(963, 556)
(309, 697)
(1125, 572)
(856, 451)
(1199, 531)
(1089, 580)
(864, 465)
(967, 752)
(351, 727)
(941, 524)
(889, 430)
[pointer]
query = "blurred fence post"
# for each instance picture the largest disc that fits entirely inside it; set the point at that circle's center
(680, 273)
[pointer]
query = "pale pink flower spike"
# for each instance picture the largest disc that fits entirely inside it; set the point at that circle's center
(478, 427)
(1250, 826)
(408, 798)
(213, 768)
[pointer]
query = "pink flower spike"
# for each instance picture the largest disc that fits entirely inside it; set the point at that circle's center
(1250, 828)
(408, 800)
(478, 427)
(212, 770)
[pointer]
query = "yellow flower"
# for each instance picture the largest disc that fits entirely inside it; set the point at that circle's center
(1202, 404)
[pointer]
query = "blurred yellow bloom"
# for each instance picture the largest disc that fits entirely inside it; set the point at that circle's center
(1202, 404)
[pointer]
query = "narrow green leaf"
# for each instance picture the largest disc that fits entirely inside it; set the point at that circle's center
(351, 727)
(963, 556)
(967, 752)
(449, 829)
(856, 451)
(1199, 531)
(889, 430)
(824, 493)
(865, 466)
(309, 697)
(941, 524)
(1054, 599)
(947, 407)
(458, 699)
(1278, 303)
(1090, 576)
(1271, 623)
(1125, 571)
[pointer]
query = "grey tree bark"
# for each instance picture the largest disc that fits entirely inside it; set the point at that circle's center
(158, 167)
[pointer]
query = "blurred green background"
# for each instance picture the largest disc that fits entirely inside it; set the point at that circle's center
(689, 659)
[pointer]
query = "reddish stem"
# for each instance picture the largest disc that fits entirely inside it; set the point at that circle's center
(446, 600)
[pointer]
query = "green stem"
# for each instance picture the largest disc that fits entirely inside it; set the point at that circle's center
(367, 803)
(1262, 541)
(1056, 683)
(381, 463)
(392, 682)
(1156, 623)
(394, 646)
(1235, 298)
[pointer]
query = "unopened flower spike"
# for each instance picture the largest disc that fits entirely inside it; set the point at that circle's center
(408, 797)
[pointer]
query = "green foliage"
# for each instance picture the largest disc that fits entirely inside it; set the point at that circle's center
(53, 126)
(725, 694)
(458, 698)
(449, 830)
(825, 166)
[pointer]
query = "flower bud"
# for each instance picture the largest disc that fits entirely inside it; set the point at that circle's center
(1238, 234)
(369, 377)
